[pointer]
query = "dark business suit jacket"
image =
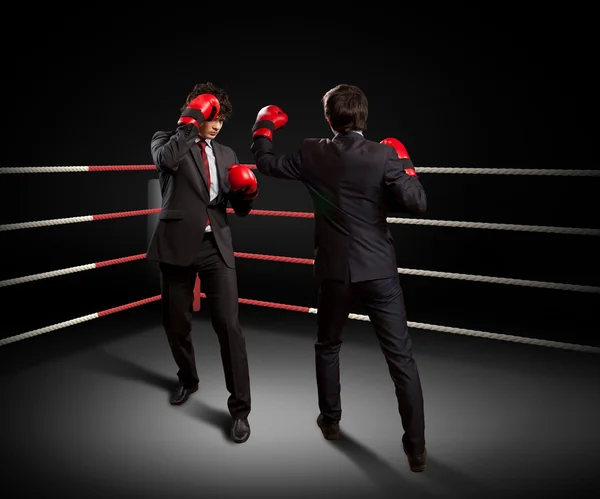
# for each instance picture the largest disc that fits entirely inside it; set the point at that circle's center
(186, 201)
(353, 183)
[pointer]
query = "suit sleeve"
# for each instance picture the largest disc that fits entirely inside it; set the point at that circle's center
(168, 149)
(285, 166)
(405, 192)
(240, 206)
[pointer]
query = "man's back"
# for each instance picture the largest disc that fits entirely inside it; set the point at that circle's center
(353, 182)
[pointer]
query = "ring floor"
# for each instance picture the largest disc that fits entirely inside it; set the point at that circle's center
(85, 413)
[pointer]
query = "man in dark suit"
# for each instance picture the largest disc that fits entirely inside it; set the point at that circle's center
(353, 183)
(192, 237)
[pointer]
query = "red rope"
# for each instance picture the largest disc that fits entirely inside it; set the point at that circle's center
(269, 304)
(120, 168)
(244, 301)
(268, 213)
(122, 214)
(255, 256)
(273, 213)
(252, 256)
(116, 261)
(129, 305)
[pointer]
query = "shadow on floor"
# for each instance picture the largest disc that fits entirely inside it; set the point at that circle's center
(107, 363)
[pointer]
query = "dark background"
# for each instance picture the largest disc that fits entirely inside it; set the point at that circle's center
(459, 87)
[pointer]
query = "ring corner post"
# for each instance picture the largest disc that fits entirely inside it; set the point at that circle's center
(154, 201)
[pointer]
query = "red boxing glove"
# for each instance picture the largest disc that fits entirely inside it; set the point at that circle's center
(397, 145)
(268, 119)
(203, 108)
(241, 178)
(401, 151)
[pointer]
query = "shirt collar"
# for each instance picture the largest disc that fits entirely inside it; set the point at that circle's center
(208, 141)
(345, 134)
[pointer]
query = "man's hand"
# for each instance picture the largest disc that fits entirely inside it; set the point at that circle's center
(241, 178)
(203, 108)
(401, 151)
(268, 119)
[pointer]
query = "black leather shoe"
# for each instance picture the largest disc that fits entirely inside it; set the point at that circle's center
(240, 430)
(331, 431)
(417, 462)
(181, 393)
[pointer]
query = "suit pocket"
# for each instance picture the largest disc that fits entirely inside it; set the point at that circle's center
(171, 215)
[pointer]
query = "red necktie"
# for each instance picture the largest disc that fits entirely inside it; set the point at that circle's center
(202, 145)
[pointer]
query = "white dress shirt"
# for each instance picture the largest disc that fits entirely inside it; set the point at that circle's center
(214, 177)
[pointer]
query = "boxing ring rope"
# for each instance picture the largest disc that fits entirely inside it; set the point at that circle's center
(421, 169)
(300, 214)
(297, 308)
(447, 275)
(308, 261)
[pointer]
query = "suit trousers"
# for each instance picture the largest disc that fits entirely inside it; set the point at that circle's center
(219, 283)
(384, 302)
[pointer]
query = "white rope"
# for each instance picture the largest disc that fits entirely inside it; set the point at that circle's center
(501, 280)
(484, 334)
(45, 169)
(46, 275)
(482, 225)
(46, 223)
(506, 337)
(508, 171)
(36, 332)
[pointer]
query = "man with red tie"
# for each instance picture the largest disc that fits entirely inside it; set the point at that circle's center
(354, 183)
(198, 178)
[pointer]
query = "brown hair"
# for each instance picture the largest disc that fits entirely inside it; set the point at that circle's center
(209, 88)
(346, 108)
